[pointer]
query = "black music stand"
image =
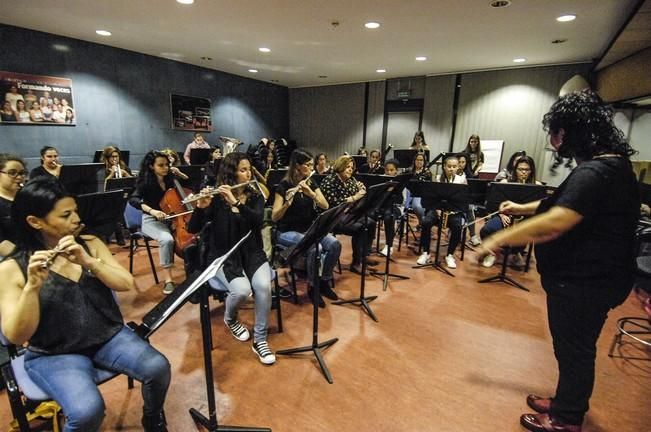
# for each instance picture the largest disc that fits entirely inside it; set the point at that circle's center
(274, 176)
(518, 193)
(445, 197)
(359, 160)
(82, 178)
(126, 183)
(401, 181)
(200, 156)
(374, 198)
(321, 226)
(195, 175)
(101, 211)
(405, 157)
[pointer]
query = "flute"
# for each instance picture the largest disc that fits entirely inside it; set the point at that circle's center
(291, 192)
(48, 262)
(202, 195)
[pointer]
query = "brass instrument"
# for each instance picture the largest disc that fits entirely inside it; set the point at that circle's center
(444, 216)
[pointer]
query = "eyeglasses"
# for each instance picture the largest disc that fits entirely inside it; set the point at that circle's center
(14, 173)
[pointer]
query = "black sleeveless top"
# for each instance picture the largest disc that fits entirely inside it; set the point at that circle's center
(75, 316)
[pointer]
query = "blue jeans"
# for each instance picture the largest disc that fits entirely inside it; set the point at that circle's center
(160, 231)
(494, 225)
(239, 290)
(329, 249)
(68, 378)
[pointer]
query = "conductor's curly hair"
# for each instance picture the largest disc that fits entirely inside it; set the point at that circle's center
(588, 126)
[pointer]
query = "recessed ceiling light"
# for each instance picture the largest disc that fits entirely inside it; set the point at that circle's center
(372, 25)
(566, 18)
(61, 47)
(103, 32)
(264, 50)
(381, 70)
(500, 3)
(323, 76)
(185, 2)
(421, 58)
(519, 60)
(253, 70)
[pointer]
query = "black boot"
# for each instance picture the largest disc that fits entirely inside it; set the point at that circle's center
(154, 423)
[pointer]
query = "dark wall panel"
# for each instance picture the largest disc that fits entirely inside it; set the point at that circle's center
(123, 98)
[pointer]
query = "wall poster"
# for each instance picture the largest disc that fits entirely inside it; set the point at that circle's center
(191, 113)
(36, 100)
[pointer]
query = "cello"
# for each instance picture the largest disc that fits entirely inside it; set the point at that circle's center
(180, 214)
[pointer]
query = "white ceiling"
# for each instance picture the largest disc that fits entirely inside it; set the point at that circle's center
(455, 35)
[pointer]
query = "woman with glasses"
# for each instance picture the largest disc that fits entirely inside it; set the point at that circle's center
(524, 171)
(114, 166)
(12, 177)
(295, 208)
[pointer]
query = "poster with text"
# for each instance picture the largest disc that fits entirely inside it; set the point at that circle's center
(36, 100)
(191, 113)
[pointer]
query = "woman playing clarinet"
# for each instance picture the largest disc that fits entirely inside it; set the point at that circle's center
(12, 177)
(233, 213)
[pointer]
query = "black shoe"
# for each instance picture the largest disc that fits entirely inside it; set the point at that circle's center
(155, 423)
(321, 303)
(327, 292)
(357, 268)
(285, 293)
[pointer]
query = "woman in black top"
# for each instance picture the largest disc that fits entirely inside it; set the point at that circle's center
(295, 208)
(154, 179)
(12, 176)
(584, 247)
(321, 164)
(339, 187)
(50, 165)
(473, 150)
(57, 296)
(233, 213)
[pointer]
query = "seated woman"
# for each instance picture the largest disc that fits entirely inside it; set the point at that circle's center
(373, 164)
(57, 297)
(465, 172)
(339, 187)
(233, 213)
(295, 208)
(419, 172)
(175, 162)
(321, 164)
(390, 211)
(473, 150)
(212, 166)
(50, 165)
(12, 177)
(419, 143)
(455, 220)
(524, 172)
(114, 166)
(508, 170)
(154, 179)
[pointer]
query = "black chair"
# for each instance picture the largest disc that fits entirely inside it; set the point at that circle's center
(133, 221)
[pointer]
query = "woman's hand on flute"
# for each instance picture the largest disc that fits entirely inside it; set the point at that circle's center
(227, 194)
(205, 200)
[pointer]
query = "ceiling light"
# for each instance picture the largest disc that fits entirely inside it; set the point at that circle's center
(421, 58)
(372, 25)
(264, 50)
(61, 47)
(519, 60)
(381, 70)
(185, 2)
(500, 3)
(253, 70)
(103, 32)
(559, 41)
(566, 18)
(323, 76)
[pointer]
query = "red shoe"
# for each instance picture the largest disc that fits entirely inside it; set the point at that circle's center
(544, 423)
(539, 404)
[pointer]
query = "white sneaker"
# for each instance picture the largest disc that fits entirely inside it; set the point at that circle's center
(238, 331)
(264, 353)
(475, 240)
(385, 249)
(450, 262)
(423, 258)
(488, 261)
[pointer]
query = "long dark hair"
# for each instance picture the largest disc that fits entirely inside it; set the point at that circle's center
(298, 157)
(106, 158)
(588, 126)
(37, 198)
(514, 156)
(469, 150)
(44, 150)
(466, 170)
(513, 176)
(228, 170)
(422, 137)
(146, 176)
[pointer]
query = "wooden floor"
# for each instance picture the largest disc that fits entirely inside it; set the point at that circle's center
(448, 354)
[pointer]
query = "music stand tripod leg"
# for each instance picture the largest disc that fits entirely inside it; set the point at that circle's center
(316, 346)
(386, 273)
(502, 277)
(210, 423)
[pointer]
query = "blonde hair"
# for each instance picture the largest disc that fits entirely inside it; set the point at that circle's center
(341, 163)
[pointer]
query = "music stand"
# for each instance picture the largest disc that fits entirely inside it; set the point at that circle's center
(374, 198)
(126, 183)
(321, 226)
(359, 160)
(518, 193)
(200, 156)
(275, 176)
(445, 197)
(82, 178)
(405, 157)
(124, 156)
(101, 211)
(195, 175)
